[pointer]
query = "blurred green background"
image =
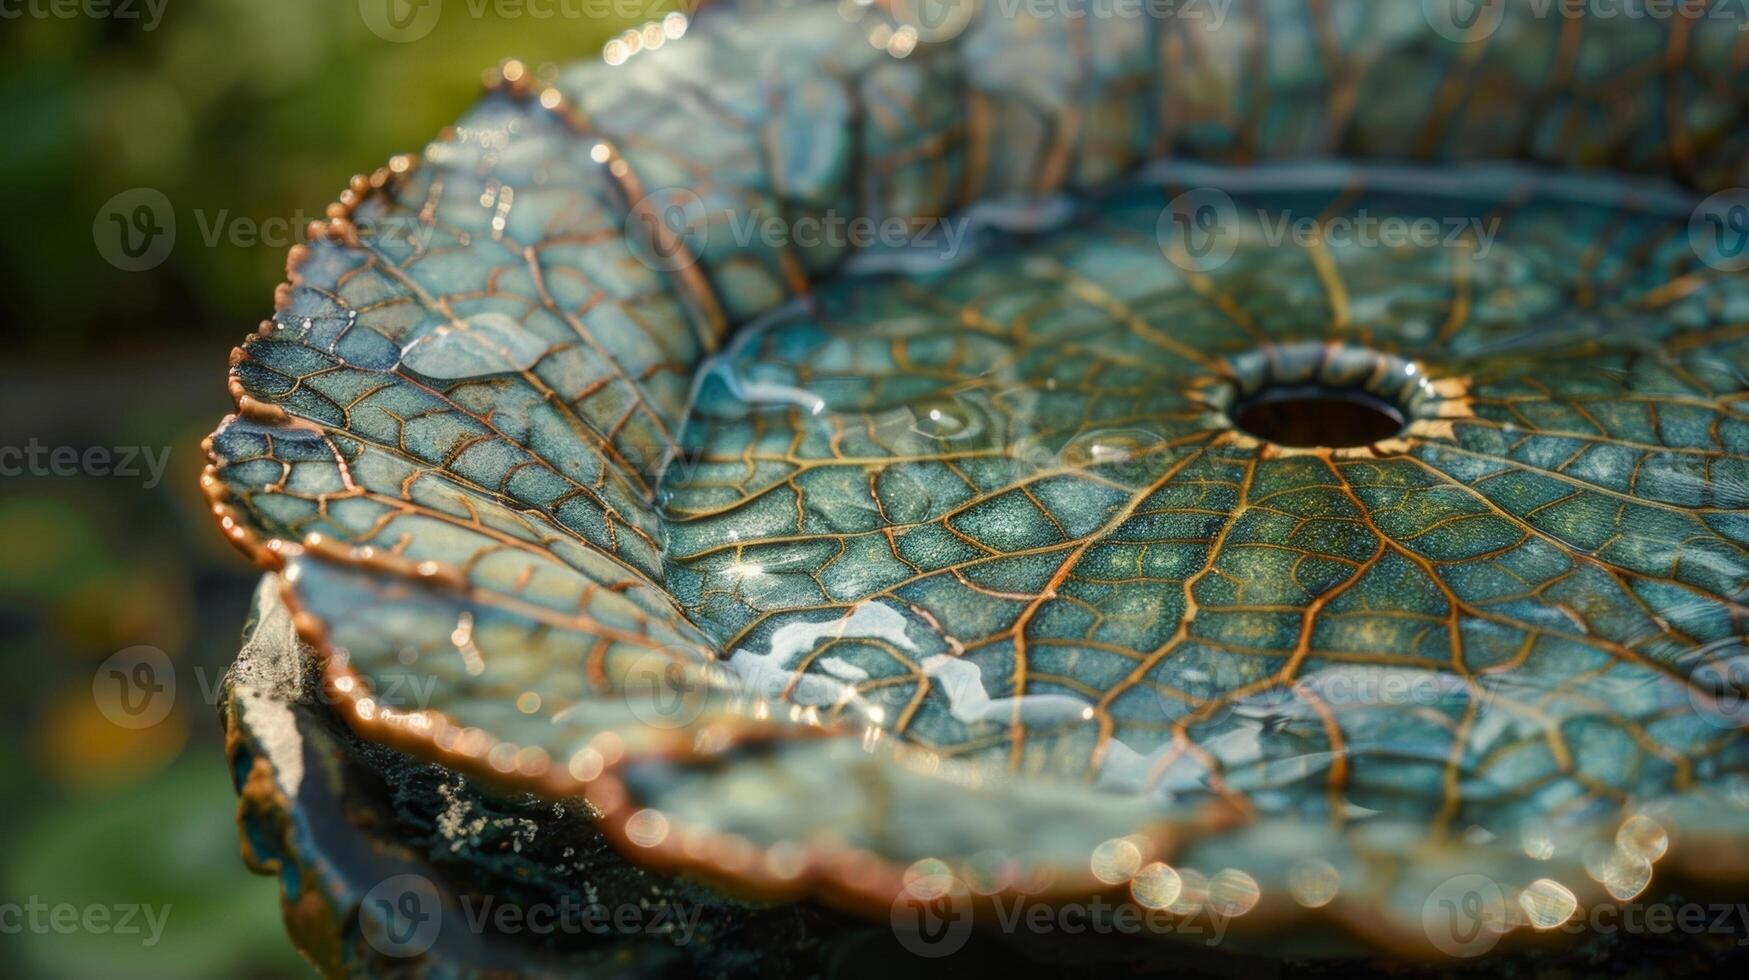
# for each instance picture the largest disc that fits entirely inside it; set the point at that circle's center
(248, 116)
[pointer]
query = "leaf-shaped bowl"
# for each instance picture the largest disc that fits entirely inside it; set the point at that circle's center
(1285, 466)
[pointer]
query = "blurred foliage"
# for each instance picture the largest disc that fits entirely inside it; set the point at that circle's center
(237, 110)
(249, 116)
(169, 843)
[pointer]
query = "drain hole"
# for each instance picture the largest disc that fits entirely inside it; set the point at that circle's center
(1313, 415)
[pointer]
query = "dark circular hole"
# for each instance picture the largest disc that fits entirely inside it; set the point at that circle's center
(1312, 415)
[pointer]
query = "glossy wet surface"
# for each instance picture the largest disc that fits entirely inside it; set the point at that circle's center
(997, 510)
(967, 570)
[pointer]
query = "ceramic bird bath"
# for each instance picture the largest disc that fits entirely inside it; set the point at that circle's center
(1290, 468)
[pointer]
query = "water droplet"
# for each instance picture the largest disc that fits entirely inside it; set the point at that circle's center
(1539, 843)
(1313, 882)
(1625, 875)
(1116, 861)
(929, 878)
(1123, 454)
(1642, 837)
(1192, 891)
(946, 419)
(1156, 886)
(988, 872)
(647, 828)
(1232, 892)
(1547, 903)
(482, 345)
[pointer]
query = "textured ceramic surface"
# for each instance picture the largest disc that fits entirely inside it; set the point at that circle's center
(946, 568)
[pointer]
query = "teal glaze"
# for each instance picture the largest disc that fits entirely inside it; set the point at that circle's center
(980, 504)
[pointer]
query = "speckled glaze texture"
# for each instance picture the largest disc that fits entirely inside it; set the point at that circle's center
(859, 573)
